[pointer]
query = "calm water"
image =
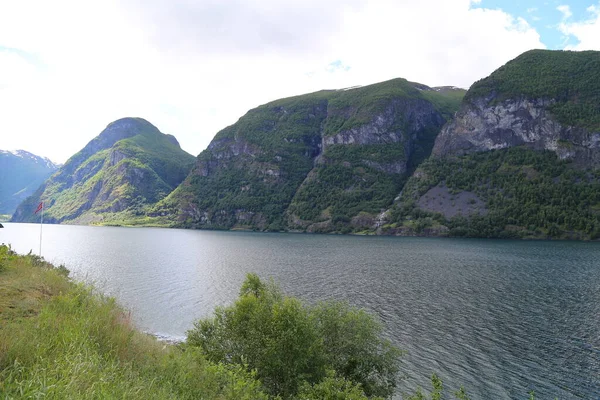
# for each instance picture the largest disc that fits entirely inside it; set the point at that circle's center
(499, 317)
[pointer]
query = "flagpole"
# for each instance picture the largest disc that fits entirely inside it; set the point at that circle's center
(41, 224)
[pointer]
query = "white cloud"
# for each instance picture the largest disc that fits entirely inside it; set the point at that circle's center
(565, 11)
(193, 67)
(587, 31)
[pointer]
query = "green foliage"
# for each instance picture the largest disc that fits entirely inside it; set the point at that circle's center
(358, 179)
(291, 346)
(437, 391)
(60, 339)
(355, 107)
(572, 79)
(332, 387)
(354, 348)
(269, 333)
(527, 193)
(446, 99)
(345, 191)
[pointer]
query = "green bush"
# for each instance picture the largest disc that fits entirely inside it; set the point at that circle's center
(332, 388)
(291, 345)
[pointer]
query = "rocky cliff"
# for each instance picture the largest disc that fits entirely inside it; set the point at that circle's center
(483, 125)
(114, 178)
(545, 100)
(315, 162)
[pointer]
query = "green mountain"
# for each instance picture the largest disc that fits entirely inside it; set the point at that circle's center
(21, 173)
(321, 162)
(113, 179)
(521, 158)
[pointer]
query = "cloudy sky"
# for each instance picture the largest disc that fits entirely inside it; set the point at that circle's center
(192, 67)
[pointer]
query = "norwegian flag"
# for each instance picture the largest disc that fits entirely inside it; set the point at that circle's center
(39, 207)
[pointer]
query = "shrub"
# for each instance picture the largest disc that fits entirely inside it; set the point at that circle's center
(288, 343)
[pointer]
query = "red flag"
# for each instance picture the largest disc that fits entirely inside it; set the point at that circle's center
(40, 206)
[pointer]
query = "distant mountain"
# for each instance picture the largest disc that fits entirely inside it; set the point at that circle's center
(21, 173)
(328, 161)
(521, 159)
(116, 176)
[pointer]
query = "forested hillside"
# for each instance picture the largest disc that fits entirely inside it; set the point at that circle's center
(113, 179)
(313, 162)
(521, 158)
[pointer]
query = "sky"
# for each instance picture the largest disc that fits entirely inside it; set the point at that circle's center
(192, 67)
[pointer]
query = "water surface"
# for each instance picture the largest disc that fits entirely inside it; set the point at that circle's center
(499, 317)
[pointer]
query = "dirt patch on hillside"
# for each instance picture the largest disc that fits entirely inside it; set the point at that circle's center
(439, 199)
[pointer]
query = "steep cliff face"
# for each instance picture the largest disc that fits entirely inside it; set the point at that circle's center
(545, 100)
(520, 159)
(129, 166)
(484, 124)
(312, 162)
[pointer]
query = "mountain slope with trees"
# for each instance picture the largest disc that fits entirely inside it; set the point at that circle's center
(313, 162)
(114, 178)
(521, 159)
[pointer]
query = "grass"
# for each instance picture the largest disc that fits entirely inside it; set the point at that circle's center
(60, 339)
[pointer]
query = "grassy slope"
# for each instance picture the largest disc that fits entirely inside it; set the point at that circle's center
(60, 340)
(572, 78)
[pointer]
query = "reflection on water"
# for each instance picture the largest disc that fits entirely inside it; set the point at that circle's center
(499, 317)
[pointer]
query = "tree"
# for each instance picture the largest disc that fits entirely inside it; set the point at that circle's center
(291, 345)
(355, 349)
(332, 388)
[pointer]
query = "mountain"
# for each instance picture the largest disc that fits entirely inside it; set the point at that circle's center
(114, 178)
(21, 173)
(520, 159)
(321, 162)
